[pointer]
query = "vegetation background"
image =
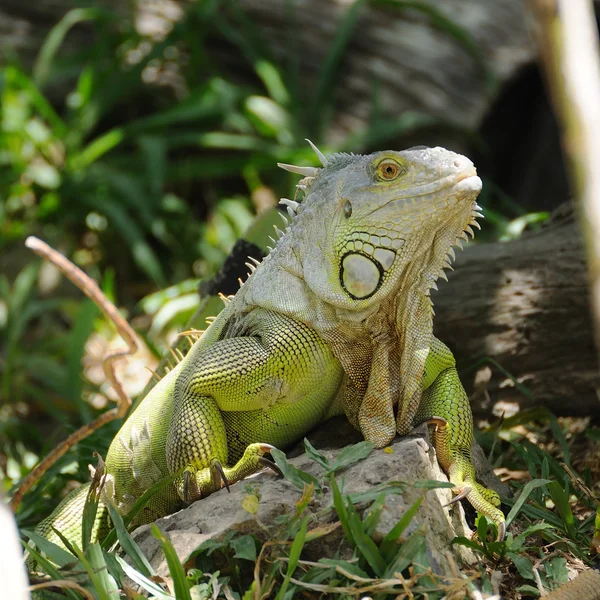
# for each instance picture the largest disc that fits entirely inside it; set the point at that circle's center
(142, 148)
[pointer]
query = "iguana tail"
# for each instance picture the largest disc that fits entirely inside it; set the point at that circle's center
(68, 517)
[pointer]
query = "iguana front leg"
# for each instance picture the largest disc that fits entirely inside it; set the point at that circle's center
(280, 368)
(444, 397)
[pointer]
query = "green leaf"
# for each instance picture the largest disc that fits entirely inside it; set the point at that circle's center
(560, 497)
(389, 541)
(55, 38)
(519, 540)
(523, 565)
(244, 547)
(556, 569)
(363, 542)
(55, 553)
(50, 569)
(142, 253)
(351, 455)
(468, 543)
(151, 587)
(431, 484)
(340, 507)
(330, 71)
(389, 487)
(294, 475)
(529, 487)
(139, 505)
(180, 583)
(406, 554)
(315, 455)
(98, 564)
(295, 552)
(373, 514)
(140, 562)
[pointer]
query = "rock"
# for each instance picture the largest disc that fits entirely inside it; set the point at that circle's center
(412, 459)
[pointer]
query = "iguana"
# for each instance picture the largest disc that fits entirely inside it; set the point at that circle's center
(336, 319)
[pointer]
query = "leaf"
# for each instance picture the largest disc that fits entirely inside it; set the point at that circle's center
(295, 552)
(98, 564)
(556, 569)
(250, 504)
(315, 455)
(363, 542)
(244, 547)
(330, 71)
(55, 553)
(140, 562)
(373, 513)
(468, 543)
(432, 484)
(389, 541)
(529, 487)
(406, 555)
(151, 587)
(340, 507)
(519, 540)
(50, 569)
(523, 565)
(142, 253)
(55, 38)
(138, 506)
(351, 455)
(182, 590)
(292, 473)
(389, 487)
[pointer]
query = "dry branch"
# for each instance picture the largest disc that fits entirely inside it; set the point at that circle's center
(91, 290)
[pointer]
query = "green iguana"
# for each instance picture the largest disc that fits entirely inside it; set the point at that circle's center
(337, 319)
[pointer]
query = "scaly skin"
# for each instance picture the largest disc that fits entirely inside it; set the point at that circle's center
(336, 319)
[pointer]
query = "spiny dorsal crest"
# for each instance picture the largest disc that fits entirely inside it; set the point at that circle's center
(451, 255)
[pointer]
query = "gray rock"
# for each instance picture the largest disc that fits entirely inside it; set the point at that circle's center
(412, 459)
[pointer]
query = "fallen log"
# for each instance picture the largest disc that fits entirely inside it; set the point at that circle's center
(525, 305)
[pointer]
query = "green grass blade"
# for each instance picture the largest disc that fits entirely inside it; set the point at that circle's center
(529, 487)
(55, 38)
(295, 552)
(55, 553)
(105, 579)
(180, 582)
(331, 69)
(351, 455)
(406, 554)
(151, 587)
(340, 507)
(51, 570)
(389, 541)
(140, 562)
(363, 542)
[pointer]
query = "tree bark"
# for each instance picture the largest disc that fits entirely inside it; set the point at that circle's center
(526, 305)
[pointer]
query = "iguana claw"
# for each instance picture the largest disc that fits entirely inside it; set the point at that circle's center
(198, 483)
(271, 465)
(219, 467)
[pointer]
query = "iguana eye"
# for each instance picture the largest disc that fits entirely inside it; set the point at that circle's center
(389, 169)
(347, 209)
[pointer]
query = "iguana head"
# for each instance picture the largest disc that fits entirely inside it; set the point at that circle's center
(370, 225)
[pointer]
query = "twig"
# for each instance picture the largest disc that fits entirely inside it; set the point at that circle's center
(89, 287)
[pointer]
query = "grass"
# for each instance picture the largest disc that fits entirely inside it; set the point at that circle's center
(552, 524)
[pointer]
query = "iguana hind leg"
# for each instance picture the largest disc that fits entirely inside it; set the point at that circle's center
(271, 385)
(445, 398)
